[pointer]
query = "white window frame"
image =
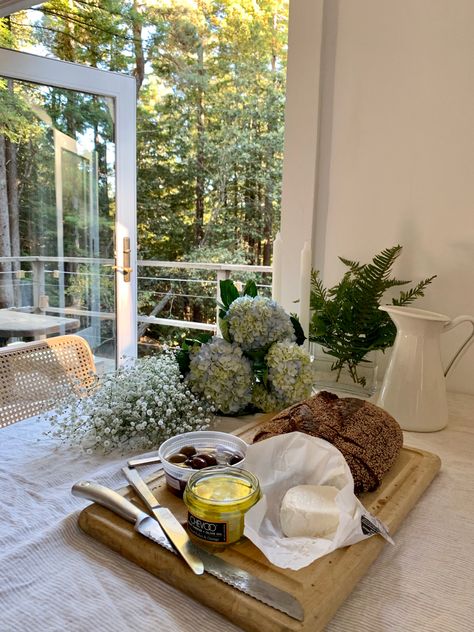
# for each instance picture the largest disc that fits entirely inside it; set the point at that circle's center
(122, 89)
(7, 7)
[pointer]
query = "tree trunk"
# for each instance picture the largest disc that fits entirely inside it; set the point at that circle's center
(200, 159)
(270, 157)
(6, 288)
(250, 197)
(200, 163)
(137, 24)
(11, 151)
(267, 230)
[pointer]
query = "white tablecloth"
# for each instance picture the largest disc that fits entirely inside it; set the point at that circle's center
(54, 577)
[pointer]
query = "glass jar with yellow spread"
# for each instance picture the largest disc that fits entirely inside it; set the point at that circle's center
(217, 499)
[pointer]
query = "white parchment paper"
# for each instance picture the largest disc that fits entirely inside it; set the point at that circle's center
(291, 459)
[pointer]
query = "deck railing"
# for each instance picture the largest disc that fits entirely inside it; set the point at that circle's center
(43, 284)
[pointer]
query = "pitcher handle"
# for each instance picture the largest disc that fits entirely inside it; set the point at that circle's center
(454, 323)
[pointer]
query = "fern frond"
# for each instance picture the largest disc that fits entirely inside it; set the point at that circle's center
(318, 292)
(415, 292)
(346, 320)
(354, 266)
(395, 283)
(385, 260)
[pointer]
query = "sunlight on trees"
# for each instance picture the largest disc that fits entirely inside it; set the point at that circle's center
(210, 78)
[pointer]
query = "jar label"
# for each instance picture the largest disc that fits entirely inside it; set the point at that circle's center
(209, 531)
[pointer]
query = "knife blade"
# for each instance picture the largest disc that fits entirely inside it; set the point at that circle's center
(168, 522)
(230, 574)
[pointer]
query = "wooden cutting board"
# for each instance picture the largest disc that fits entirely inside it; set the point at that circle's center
(321, 587)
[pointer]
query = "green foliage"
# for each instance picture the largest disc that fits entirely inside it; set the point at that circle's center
(346, 320)
(210, 119)
(299, 333)
(187, 343)
(16, 122)
(229, 293)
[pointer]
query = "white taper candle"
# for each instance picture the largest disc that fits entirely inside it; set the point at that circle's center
(305, 287)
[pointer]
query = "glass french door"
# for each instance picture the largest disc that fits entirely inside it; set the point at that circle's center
(67, 204)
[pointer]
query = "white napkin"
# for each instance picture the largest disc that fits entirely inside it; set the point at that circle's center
(292, 459)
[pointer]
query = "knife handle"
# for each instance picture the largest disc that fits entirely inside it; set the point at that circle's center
(108, 498)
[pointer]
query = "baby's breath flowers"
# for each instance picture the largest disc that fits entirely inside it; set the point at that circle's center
(138, 406)
(258, 364)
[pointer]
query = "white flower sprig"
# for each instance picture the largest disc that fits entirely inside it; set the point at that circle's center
(139, 406)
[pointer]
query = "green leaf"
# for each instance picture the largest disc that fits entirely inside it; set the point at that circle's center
(408, 297)
(250, 289)
(224, 327)
(228, 293)
(199, 339)
(183, 355)
(298, 329)
(183, 358)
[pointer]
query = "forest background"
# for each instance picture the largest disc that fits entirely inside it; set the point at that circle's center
(210, 85)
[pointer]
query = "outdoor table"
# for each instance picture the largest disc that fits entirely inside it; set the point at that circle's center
(18, 324)
(56, 578)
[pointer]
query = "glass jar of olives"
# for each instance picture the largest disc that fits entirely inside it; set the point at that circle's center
(217, 499)
(184, 454)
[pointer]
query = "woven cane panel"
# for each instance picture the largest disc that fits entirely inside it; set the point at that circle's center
(34, 375)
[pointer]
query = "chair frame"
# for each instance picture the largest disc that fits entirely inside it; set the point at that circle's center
(33, 375)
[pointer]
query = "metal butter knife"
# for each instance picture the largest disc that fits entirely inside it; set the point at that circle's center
(228, 573)
(173, 529)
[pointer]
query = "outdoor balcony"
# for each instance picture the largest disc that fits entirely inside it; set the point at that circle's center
(172, 298)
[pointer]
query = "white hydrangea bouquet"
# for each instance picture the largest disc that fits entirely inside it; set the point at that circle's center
(136, 407)
(258, 364)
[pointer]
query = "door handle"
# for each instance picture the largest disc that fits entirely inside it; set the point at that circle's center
(126, 270)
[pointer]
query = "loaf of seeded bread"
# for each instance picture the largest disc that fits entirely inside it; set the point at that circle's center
(369, 438)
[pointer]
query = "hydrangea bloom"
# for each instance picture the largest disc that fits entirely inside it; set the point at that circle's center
(257, 322)
(290, 372)
(139, 406)
(290, 377)
(220, 372)
(264, 400)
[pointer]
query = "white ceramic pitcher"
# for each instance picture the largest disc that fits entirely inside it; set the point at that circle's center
(414, 389)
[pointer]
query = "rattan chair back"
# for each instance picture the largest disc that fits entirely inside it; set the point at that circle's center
(35, 374)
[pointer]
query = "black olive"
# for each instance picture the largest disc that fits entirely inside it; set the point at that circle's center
(209, 458)
(188, 450)
(179, 457)
(234, 459)
(198, 463)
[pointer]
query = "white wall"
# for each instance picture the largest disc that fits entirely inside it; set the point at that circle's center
(396, 148)
(301, 141)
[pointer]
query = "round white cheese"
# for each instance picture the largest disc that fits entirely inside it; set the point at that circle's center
(309, 511)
